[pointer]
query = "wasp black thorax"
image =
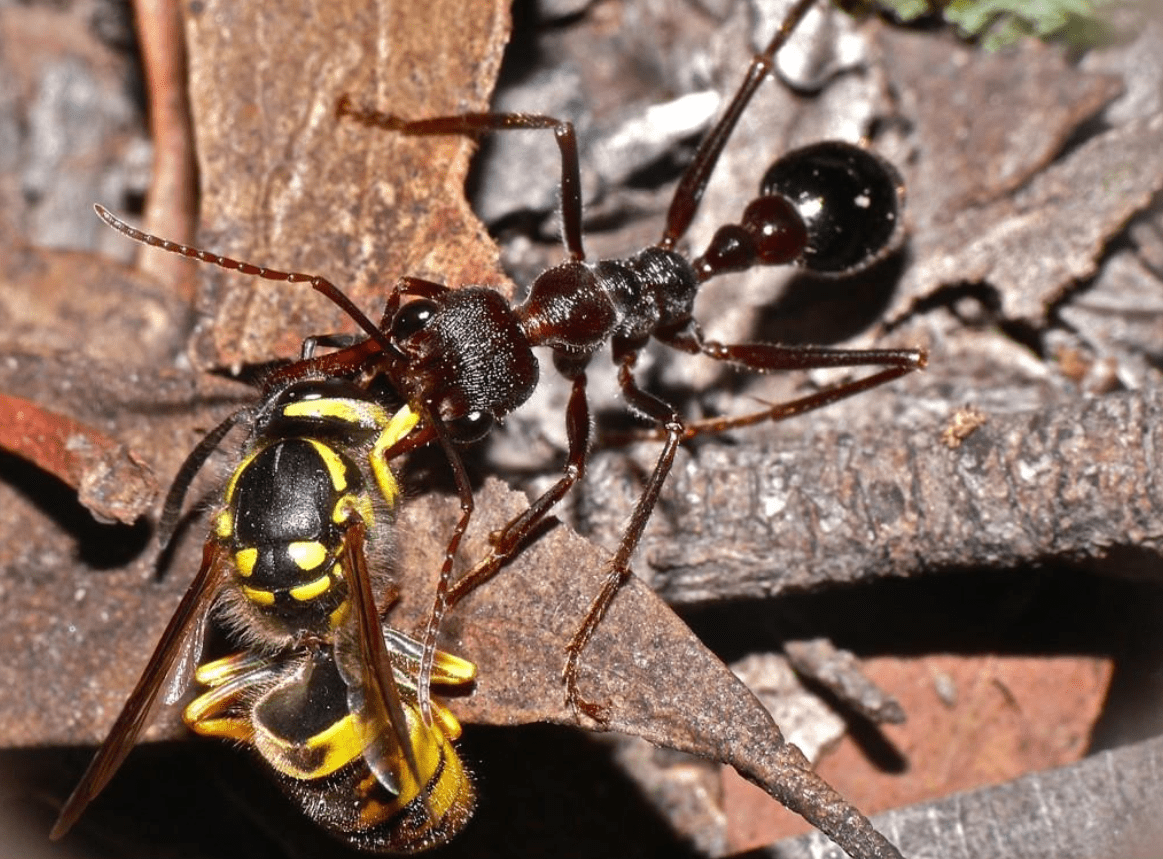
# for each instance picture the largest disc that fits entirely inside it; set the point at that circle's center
(290, 503)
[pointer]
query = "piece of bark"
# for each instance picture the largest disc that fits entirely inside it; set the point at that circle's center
(1105, 805)
(1075, 482)
(286, 185)
(839, 672)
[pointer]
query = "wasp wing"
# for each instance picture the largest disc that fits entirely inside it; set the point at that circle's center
(188, 619)
(363, 660)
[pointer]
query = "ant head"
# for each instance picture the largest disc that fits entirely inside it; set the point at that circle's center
(465, 356)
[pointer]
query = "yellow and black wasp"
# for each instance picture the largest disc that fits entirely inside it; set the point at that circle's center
(321, 689)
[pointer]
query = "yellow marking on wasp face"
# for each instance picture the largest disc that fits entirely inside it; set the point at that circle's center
(362, 413)
(244, 561)
(258, 596)
(335, 466)
(307, 592)
(223, 525)
(307, 554)
(358, 506)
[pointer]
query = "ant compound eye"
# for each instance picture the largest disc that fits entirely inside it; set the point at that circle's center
(850, 201)
(471, 427)
(412, 318)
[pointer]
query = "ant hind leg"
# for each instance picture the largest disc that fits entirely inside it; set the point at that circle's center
(771, 357)
(672, 427)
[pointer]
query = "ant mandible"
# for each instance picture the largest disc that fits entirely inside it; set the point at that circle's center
(463, 357)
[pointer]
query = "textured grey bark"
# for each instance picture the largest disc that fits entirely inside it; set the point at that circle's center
(1104, 807)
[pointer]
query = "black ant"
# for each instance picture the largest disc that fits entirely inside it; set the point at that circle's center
(462, 358)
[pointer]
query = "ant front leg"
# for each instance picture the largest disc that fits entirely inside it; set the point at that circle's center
(478, 123)
(433, 429)
(508, 540)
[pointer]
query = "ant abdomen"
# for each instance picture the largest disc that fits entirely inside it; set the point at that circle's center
(850, 201)
(832, 207)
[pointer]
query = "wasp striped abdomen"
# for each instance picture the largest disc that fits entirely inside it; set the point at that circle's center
(295, 711)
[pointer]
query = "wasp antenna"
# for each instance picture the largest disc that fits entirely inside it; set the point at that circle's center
(172, 509)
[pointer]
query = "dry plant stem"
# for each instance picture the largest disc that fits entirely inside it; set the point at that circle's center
(840, 673)
(786, 774)
(110, 481)
(172, 207)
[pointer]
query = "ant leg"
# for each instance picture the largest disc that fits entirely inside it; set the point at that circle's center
(507, 541)
(478, 123)
(671, 422)
(441, 603)
(791, 408)
(770, 357)
(693, 183)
